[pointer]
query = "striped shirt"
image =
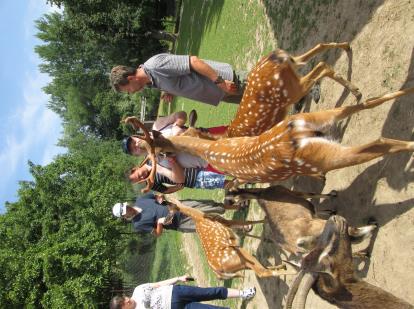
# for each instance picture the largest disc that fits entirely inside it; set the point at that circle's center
(172, 73)
(190, 176)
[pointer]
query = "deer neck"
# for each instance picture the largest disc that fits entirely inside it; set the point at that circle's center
(191, 145)
(190, 212)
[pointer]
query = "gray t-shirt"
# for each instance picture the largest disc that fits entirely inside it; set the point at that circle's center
(171, 73)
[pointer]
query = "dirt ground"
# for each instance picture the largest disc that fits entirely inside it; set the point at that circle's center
(381, 34)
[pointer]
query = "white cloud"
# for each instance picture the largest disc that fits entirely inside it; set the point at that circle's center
(34, 130)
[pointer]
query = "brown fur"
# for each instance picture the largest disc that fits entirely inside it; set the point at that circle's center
(220, 244)
(336, 282)
(272, 85)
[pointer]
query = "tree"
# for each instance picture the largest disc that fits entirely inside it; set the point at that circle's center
(80, 47)
(60, 244)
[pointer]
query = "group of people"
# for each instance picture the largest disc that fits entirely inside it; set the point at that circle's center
(206, 81)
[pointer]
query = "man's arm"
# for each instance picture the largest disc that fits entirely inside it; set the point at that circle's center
(206, 70)
(159, 228)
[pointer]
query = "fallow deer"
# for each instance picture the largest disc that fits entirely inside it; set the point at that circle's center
(295, 146)
(329, 270)
(291, 217)
(220, 244)
(272, 85)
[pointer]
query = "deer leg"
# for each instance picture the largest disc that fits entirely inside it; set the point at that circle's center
(259, 269)
(318, 49)
(326, 156)
(324, 70)
(232, 185)
(360, 233)
(239, 223)
(307, 195)
(328, 117)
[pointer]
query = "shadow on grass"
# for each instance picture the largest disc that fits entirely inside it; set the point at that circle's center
(197, 18)
(303, 24)
(300, 25)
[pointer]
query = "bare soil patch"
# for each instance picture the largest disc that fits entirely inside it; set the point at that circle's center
(382, 40)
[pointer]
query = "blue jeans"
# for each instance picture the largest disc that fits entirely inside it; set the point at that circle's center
(209, 180)
(188, 297)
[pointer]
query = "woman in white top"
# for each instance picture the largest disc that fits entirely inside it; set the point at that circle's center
(166, 295)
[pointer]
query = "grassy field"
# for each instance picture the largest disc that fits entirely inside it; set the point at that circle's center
(169, 259)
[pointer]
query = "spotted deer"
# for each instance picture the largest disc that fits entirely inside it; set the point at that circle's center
(329, 270)
(272, 85)
(221, 247)
(291, 217)
(295, 146)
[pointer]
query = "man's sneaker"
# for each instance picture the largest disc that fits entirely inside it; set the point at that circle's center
(248, 293)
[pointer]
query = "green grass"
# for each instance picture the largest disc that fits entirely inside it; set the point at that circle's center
(169, 259)
(211, 30)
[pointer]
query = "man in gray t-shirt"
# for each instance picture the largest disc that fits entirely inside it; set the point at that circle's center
(182, 75)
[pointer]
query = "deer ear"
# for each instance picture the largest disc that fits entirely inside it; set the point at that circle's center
(156, 133)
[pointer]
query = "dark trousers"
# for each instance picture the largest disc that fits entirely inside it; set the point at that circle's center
(188, 297)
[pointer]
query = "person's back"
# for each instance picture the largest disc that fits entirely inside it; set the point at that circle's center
(173, 74)
(146, 220)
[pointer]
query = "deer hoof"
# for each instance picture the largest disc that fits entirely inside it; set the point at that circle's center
(372, 221)
(333, 193)
(357, 94)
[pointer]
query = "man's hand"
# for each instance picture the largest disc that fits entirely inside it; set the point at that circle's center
(168, 219)
(228, 87)
(167, 97)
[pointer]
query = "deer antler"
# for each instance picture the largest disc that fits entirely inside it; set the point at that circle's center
(148, 144)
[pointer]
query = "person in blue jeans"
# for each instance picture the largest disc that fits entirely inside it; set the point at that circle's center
(166, 295)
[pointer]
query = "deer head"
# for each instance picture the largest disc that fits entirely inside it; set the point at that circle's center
(329, 269)
(147, 143)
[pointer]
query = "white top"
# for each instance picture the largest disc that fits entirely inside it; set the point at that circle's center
(186, 160)
(148, 297)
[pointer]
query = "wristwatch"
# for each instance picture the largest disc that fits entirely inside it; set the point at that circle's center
(219, 80)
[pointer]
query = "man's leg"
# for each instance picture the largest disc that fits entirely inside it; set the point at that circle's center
(209, 180)
(186, 225)
(207, 206)
(188, 294)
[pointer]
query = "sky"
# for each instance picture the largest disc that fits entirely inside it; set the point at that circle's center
(28, 130)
